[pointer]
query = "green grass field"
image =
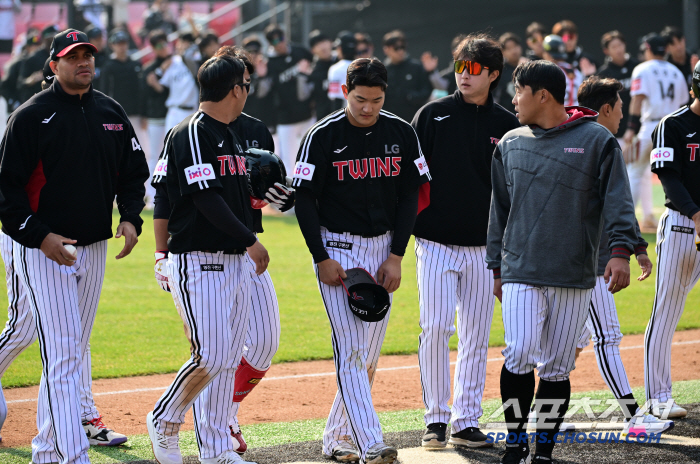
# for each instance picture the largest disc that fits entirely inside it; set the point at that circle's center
(138, 331)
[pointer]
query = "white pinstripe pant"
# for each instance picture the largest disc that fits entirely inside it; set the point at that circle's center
(542, 326)
(453, 279)
(677, 272)
(603, 324)
(356, 347)
(263, 335)
(64, 303)
(20, 332)
(214, 306)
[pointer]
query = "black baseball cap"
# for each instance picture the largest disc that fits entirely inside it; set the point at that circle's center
(49, 31)
(368, 300)
(347, 43)
(118, 36)
(67, 40)
(93, 31)
(48, 73)
(655, 43)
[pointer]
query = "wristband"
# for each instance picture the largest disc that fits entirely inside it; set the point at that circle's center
(634, 123)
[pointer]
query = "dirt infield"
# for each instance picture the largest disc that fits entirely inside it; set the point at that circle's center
(305, 390)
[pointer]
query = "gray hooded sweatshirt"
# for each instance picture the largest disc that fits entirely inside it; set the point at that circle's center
(553, 191)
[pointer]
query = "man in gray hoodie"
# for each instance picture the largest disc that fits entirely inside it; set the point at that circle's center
(557, 181)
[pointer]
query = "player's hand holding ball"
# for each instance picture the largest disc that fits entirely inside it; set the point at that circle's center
(54, 249)
(330, 272)
(258, 253)
(617, 274)
(389, 273)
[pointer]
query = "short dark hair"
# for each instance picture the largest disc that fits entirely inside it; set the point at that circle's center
(237, 52)
(252, 44)
(672, 32)
(394, 37)
(205, 40)
(509, 36)
(363, 38)
(609, 37)
(565, 27)
(272, 31)
(482, 49)
(218, 76)
(535, 28)
(367, 72)
(186, 36)
(596, 92)
(316, 37)
(542, 74)
(456, 40)
(157, 36)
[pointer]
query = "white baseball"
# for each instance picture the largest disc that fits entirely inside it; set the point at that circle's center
(71, 249)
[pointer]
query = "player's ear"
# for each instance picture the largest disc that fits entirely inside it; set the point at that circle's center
(606, 109)
(345, 91)
(52, 65)
(493, 75)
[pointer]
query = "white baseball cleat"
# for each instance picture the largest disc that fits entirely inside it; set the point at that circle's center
(227, 457)
(668, 410)
(166, 449)
(646, 424)
(99, 435)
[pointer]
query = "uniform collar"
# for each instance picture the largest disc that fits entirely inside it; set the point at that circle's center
(472, 107)
(73, 99)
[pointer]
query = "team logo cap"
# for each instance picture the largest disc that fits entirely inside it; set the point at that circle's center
(67, 40)
(368, 300)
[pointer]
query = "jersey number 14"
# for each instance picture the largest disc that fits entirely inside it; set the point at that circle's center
(670, 92)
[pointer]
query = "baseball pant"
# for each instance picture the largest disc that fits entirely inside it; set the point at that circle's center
(603, 324)
(677, 272)
(211, 293)
(453, 279)
(542, 326)
(639, 173)
(156, 137)
(289, 136)
(64, 302)
(20, 333)
(263, 335)
(356, 346)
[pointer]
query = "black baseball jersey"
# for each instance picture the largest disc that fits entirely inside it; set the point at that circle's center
(64, 158)
(624, 75)
(284, 70)
(677, 147)
(357, 173)
(204, 153)
(458, 140)
(253, 133)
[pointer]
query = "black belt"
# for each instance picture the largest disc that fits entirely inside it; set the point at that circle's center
(186, 108)
(231, 251)
(379, 234)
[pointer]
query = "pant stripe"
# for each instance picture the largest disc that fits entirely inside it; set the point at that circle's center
(602, 355)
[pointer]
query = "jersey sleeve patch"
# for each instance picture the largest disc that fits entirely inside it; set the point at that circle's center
(304, 171)
(636, 85)
(422, 165)
(199, 172)
(661, 154)
(161, 168)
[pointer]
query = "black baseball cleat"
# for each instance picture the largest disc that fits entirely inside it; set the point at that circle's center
(542, 459)
(516, 454)
(471, 437)
(434, 436)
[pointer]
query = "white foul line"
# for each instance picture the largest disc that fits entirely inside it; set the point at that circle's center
(327, 374)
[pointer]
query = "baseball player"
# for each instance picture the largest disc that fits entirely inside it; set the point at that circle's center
(556, 182)
(208, 271)
(555, 51)
(357, 176)
(457, 134)
(674, 158)
(603, 96)
(20, 333)
(346, 46)
(85, 136)
(262, 337)
(658, 88)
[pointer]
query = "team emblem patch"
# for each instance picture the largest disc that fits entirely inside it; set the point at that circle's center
(661, 154)
(199, 172)
(254, 381)
(422, 165)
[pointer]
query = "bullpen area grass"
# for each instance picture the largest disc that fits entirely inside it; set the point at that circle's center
(138, 331)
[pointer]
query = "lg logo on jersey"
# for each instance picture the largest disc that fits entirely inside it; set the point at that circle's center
(394, 150)
(233, 162)
(375, 167)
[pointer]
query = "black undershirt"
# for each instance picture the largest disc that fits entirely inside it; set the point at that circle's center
(676, 192)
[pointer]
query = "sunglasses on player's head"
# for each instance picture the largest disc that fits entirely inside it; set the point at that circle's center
(472, 67)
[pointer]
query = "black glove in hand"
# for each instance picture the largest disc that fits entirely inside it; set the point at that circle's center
(281, 196)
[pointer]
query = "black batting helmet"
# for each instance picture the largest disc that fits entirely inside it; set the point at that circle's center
(264, 169)
(368, 300)
(555, 46)
(696, 80)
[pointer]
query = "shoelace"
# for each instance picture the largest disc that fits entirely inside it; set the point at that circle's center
(167, 442)
(97, 423)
